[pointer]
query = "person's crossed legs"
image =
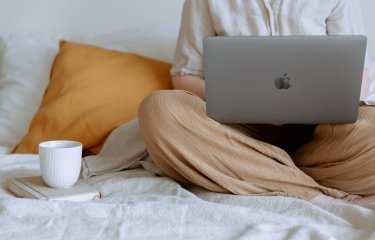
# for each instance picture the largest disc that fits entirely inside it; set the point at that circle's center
(192, 148)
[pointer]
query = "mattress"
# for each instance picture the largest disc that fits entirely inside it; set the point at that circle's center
(138, 204)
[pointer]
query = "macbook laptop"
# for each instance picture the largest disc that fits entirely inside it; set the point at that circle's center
(284, 80)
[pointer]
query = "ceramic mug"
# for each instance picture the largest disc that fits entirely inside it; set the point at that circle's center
(60, 162)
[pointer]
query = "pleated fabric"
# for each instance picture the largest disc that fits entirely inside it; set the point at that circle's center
(190, 147)
(342, 156)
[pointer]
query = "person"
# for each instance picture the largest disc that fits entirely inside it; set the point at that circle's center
(319, 163)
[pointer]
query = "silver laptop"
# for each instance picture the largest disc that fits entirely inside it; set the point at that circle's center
(293, 79)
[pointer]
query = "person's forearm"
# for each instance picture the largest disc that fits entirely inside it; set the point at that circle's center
(190, 83)
(365, 85)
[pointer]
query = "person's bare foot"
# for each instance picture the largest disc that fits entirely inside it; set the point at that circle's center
(361, 201)
(351, 199)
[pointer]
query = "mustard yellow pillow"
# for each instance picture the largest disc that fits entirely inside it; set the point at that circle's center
(92, 91)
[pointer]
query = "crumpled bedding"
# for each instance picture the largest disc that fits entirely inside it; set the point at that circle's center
(139, 204)
(123, 149)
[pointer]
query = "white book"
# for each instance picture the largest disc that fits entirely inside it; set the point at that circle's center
(35, 188)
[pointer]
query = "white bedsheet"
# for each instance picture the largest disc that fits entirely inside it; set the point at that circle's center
(140, 205)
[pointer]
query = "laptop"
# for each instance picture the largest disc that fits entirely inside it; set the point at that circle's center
(284, 80)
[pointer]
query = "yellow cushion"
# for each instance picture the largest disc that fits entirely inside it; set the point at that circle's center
(92, 91)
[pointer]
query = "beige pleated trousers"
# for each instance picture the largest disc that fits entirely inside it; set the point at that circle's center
(268, 160)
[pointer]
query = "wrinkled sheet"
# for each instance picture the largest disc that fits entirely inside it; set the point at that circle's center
(138, 204)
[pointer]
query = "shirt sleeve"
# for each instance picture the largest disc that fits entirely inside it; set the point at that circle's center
(346, 19)
(196, 24)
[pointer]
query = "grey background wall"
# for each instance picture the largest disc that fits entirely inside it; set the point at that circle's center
(99, 16)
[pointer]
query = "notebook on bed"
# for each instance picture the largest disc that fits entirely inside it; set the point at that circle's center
(35, 188)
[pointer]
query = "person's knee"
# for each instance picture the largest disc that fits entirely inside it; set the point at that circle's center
(155, 105)
(158, 110)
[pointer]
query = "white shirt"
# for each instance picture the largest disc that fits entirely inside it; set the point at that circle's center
(203, 18)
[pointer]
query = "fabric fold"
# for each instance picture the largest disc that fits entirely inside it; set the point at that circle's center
(123, 149)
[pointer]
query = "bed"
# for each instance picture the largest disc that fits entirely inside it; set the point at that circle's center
(137, 202)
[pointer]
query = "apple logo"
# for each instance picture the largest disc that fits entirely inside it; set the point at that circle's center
(283, 82)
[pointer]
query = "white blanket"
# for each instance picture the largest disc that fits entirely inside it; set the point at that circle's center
(137, 204)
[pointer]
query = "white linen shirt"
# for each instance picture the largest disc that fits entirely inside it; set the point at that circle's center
(202, 18)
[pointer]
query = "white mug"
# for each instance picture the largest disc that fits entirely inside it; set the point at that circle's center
(60, 162)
